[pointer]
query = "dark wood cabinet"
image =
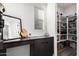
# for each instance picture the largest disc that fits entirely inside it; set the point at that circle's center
(42, 47)
(1, 44)
(39, 46)
(2, 50)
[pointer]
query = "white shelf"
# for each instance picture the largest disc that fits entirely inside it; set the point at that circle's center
(68, 28)
(72, 28)
(72, 34)
(63, 28)
(61, 22)
(62, 40)
(65, 40)
(67, 24)
(61, 34)
(72, 22)
(73, 40)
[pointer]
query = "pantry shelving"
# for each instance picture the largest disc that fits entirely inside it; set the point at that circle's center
(66, 28)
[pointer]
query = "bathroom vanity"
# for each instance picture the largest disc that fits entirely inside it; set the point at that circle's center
(39, 46)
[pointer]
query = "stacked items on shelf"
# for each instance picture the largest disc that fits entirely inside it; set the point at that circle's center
(72, 31)
(61, 28)
(66, 28)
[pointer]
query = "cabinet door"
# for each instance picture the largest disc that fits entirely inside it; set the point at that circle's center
(43, 47)
(3, 52)
(1, 44)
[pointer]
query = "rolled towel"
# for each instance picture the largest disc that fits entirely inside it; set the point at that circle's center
(24, 33)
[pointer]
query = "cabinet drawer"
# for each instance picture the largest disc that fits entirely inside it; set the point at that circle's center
(44, 41)
(42, 47)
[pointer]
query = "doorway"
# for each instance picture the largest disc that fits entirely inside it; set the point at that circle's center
(66, 29)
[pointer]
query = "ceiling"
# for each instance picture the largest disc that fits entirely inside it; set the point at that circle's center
(65, 5)
(39, 5)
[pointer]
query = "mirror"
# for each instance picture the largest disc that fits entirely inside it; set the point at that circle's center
(39, 18)
(11, 28)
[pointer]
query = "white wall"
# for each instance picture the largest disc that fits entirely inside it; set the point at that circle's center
(51, 23)
(26, 13)
(70, 11)
(51, 19)
(60, 10)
